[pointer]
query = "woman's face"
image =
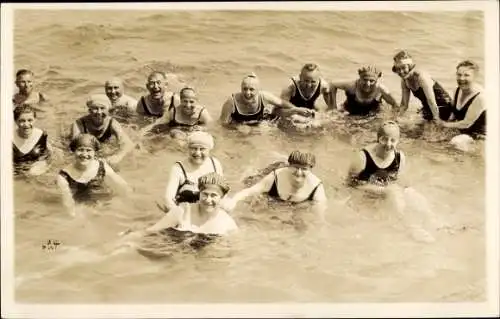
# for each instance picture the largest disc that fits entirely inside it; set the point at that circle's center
(99, 113)
(188, 102)
(465, 77)
(84, 154)
(210, 198)
(402, 69)
(25, 124)
(198, 153)
(299, 173)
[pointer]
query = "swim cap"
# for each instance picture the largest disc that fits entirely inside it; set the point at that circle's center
(98, 100)
(386, 127)
(303, 159)
(468, 64)
(85, 140)
(186, 88)
(200, 138)
(213, 179)
(370, 70)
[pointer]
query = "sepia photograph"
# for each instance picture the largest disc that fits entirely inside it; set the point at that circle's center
(245, 159)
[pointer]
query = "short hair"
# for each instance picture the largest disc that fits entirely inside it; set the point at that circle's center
(186, 88)
(23, 109)
(213, 179)
(162, 74)
(85, 139)
(301, 158)
(23, 72)
(403, 54)
(469, 64)
(309, 67)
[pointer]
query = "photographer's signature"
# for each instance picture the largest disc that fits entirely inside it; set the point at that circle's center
(51, 245)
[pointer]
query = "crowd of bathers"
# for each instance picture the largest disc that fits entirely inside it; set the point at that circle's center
(197, 196)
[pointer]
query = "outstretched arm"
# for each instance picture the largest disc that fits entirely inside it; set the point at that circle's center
(405, 98)
(320, 202)
(283, 106)
(126, 144)
(116, 182)
(67, 197)
(427, 84)
(262, 186)
(227, 110)
(334, 86)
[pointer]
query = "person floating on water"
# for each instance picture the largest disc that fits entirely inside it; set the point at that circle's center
(187, 117)
(252, 105)
(291, 182)
(102, 126)
(182, 186)
(87, 179)
(469, 108)
(364, 96)
(436, 102)
(122, 106)
(25, 94)
(377, 170)
(152, 106)
(31, 148)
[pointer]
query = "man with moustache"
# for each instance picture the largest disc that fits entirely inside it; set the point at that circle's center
(99, 124)
(251, 106)
(154, 105)
(122, 106)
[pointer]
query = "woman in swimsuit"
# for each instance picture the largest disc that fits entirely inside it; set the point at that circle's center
(436, 102)
(31, 148)
(363, 96)
(293, 183)
(99, 124)
(469, 109)
(187, 117)
(182, 186)
(87, 178)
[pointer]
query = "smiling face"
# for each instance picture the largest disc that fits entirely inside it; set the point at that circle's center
(389, 138)
(113, 89)
(250, 88)
(402, 69)
(210, 198)
(98, 113)
(198, 153)
(465, 77)
(299, 174)
(368, 82)
(84, 154)
(25, 123)
(24, 83)
(309, 81)
(156, 85)
(188, 102)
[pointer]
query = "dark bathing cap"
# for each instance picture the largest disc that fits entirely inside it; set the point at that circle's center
(302, 159)
(213, 179)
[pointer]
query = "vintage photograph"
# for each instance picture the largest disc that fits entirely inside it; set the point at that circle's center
(238, 154)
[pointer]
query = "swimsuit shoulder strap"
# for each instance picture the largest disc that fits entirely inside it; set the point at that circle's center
(183, 170)
(201, 111)
(213, 164)
(311, 196)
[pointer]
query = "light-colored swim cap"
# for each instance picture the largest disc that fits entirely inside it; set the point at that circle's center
(85, 140)
(369, 70)
(213, 179)
(98, 100)
(303, 159)
(201, 138)
(388, 127)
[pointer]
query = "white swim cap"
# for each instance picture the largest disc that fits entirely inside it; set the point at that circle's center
(201, 138)
(98, 100)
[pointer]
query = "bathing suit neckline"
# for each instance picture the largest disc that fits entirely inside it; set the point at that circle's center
(148, 112)
(371, 168)
(274, 193)
(300, 101)
(174, 123)
(106, 134)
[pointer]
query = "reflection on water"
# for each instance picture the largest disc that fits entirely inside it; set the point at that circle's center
(363, 253)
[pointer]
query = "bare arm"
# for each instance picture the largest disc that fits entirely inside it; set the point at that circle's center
(171, 219)
(325, 91)
(334, 86)
(283, 106)
(358, 164)
(67, 196)
(405, 97)
(227, 110)
(320, 202)
(205, 117)
(174, 180)
(116, 182)
(287, 92)
(161, 120)
(262, 186)
(475, 109)
(427, 83)
(74, 131)
(126, 144)
(388, 98)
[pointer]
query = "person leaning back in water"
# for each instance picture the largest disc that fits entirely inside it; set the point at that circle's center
(123, 107)
(251, 105)
(364, 96)
(99, 124)
(25, 94)
(304, 91)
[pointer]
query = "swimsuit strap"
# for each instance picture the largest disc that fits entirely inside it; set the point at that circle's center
(199, 115)
(311, 196)
(213, 163)
(183, 170)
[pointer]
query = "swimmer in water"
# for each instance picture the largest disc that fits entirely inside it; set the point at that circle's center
(102, 126)
(469, 108)
(31, 148)
(182, 186)
(153, 105)
(294, 183)
(436, 102)
(364, 96)
(189, 116)
(304, 91)
(25, 94)
(251, 106)
(87, 178)
(122, 106)
(377, 170)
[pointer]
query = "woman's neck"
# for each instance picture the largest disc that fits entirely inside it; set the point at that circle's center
(381, 152)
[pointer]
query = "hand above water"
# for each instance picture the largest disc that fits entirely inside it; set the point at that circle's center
(228, 204)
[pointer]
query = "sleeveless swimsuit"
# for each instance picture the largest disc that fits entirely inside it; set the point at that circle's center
(299, 101)
(105, 136)
(477, 128)
(147, 112)
(89, 191)
(188, 191)
(383, 175)
(273, 192)
(173, 123)
(23, 161)
(443, 101)
(363, 108)
(248, 119)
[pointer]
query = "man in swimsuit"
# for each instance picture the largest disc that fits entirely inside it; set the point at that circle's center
(102, 126)
(294, 183)
(364, 95)
(25, 94)
(436, 102)
(469, 108)
(250, 106)
(122, 106)
(154, 105)
(304, 91)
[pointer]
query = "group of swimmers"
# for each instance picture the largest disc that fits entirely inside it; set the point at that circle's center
(196, 197)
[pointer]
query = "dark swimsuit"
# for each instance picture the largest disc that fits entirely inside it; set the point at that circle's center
(443, 101)
(90, 191)
(383, 175)
(249, 119)
(192, 193)
(478, 128)
(173, 123)
(104, 137)
(38, 152)
(273, 192)
(356, 107)
(299, 101)
(147, 112)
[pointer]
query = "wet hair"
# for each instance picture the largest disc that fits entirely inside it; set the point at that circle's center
(186, 88)
(213, 179)
(251, 75)
(162, 74)
(469, 64)
(403, 54)
(303, 159)
(23, 109)
(309, 67)
(85, 140)
(22, 72)
(381, 130)
(369, 69)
